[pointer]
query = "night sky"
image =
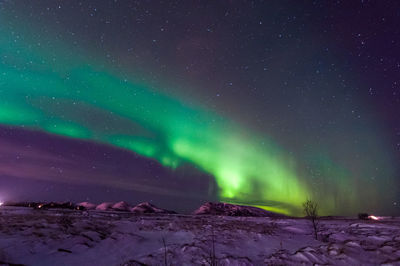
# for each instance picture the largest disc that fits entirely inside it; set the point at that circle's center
(265, 103)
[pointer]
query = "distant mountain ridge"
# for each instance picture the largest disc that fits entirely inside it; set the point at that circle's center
(141, 208)
(208, 208)
(122, 206)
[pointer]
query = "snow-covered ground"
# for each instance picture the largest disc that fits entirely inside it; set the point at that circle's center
(67, 237)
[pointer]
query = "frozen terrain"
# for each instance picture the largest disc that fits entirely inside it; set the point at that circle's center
(70, 237)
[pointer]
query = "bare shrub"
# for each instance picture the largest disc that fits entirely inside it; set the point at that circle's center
(212, 259)
(310, 208)
(165, 252)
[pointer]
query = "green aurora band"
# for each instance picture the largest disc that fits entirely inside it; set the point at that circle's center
(42, 89)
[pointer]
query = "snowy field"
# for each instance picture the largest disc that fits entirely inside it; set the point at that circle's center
(67, 237)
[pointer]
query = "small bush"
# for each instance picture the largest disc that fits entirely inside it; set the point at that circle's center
(310, 209)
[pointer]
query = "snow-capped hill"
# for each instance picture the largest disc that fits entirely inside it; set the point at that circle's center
(226, 209)
(87, 205)
(105, 206)
(121, 206)
(146, 207)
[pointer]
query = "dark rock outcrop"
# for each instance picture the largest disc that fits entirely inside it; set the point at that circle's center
(226, 209)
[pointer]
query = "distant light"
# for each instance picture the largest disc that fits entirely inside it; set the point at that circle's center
(1, 203)
(373, 217)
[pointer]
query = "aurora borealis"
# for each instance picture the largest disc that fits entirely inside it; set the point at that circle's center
(273, 114)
